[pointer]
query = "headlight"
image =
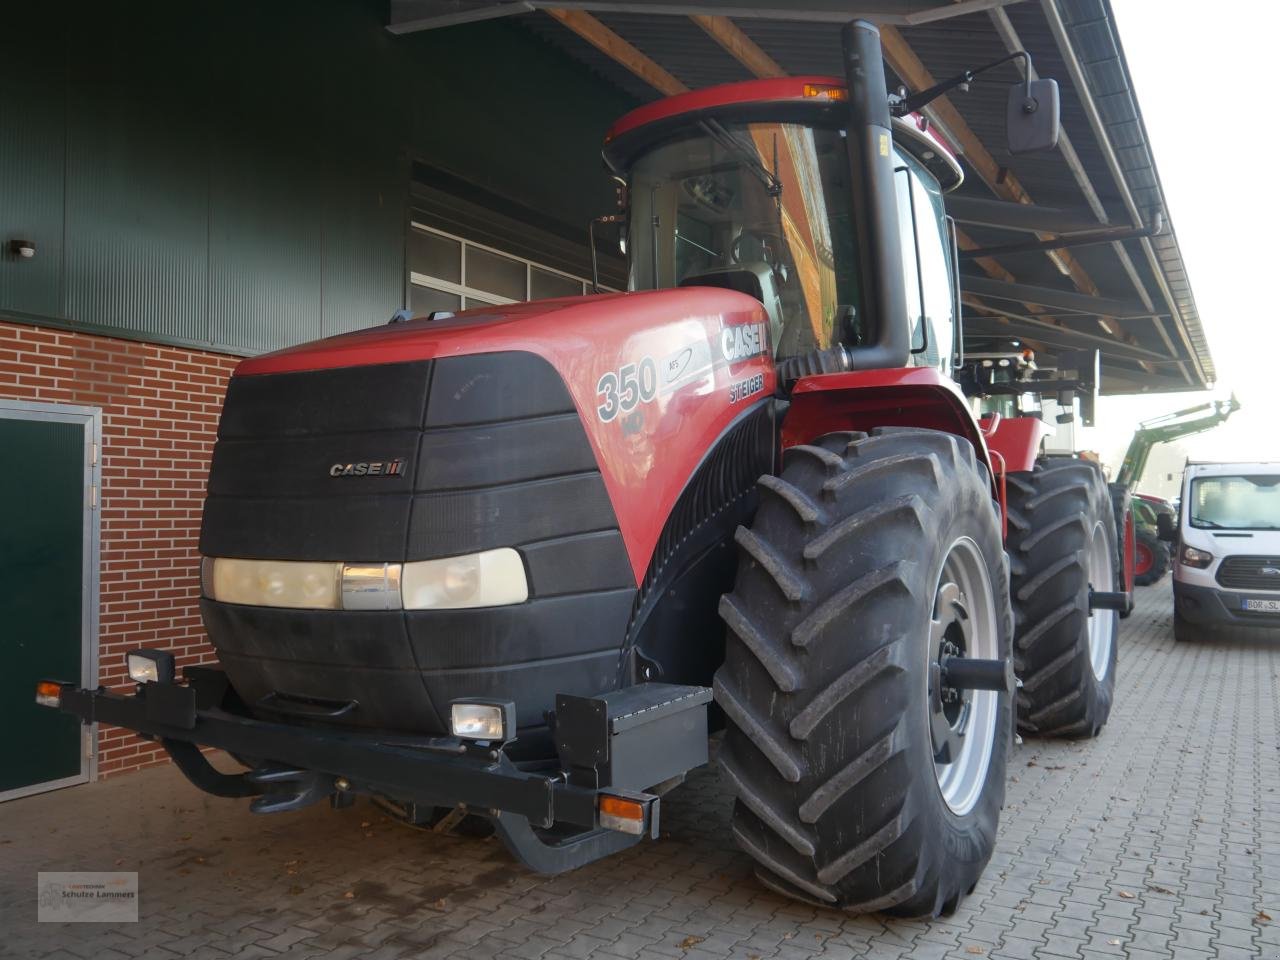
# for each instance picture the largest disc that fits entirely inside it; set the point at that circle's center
(273, 583)
(150, 666)
(1192, 557)
(482, 720)
(488, 579)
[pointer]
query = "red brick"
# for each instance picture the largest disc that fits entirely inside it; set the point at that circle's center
(160, 408)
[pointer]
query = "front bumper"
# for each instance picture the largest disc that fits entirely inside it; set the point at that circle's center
(1208, 606)
(305, 763)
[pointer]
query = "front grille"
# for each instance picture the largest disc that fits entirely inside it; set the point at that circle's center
(490, 452)
(1246, 573)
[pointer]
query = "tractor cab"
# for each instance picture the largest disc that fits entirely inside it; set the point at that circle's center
(747, 186)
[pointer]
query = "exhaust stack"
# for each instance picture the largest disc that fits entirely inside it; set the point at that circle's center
(875, 210)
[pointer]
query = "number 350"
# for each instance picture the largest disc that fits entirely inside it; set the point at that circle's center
(624, 390)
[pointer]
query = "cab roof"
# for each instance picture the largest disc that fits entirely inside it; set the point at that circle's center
(814, 98)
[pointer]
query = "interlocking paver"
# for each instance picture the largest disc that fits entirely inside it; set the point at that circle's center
(1160, 839)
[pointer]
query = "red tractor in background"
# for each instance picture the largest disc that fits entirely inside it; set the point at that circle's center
(484, 564)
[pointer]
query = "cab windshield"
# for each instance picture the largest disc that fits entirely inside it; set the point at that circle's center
(764, 208)
(1250, 502)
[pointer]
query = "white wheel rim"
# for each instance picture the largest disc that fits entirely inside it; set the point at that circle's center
(1102, 623)
(963, 580)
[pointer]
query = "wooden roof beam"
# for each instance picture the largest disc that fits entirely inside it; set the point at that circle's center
(741, 47)
(613, 46)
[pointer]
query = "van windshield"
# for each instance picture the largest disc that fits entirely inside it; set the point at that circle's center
(1248, 502)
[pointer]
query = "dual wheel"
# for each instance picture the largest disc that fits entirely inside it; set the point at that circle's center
(869, 626)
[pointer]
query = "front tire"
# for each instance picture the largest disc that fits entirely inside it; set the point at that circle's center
(1183, 630)
(1152, 559)
(1062, 541)
(863, 555)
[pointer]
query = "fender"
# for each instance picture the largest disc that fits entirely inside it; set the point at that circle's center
(1130, 553)
(1015, 439)
(864, 399)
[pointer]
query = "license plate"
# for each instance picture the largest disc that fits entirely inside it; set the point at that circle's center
(1262, 606)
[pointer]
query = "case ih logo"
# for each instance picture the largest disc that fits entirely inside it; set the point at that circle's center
(368, 468)
(741, 342)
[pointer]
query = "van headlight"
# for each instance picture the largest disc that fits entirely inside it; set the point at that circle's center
(1192, 557)
(490, 578)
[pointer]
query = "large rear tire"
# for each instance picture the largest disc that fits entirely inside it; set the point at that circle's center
(867, 557)
(1062, 541)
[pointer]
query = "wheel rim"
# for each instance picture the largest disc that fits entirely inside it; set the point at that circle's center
(962, 723)
(1143, 559)
(1101, 622)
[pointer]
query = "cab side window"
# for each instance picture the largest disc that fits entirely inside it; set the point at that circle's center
(926, 264)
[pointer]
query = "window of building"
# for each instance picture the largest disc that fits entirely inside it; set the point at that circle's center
(450, 273)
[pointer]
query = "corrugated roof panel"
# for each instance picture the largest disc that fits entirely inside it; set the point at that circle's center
(681, 46)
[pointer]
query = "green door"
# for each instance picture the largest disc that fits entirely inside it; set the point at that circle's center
(47, 532)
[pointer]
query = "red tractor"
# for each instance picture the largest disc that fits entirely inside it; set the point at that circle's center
(483, 564)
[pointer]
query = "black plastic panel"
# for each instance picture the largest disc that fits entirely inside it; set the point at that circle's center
(447, 524)
(330, 654)
(590, 561)
(385, 699)
(340, 638)
(537, 630)
(387, 396)
(488, 387)
(301, 466)
(503, 453)
(351, 529)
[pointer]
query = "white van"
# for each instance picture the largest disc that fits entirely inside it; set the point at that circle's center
(1226, 571)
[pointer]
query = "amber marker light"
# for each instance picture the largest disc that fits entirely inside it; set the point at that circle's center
(622, 814)
(49, 694)
(823, 91)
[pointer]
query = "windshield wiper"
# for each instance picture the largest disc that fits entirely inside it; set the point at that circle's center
(746, 154)
(1197, 522)
(681, 238)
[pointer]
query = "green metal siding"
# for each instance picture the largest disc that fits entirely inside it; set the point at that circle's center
(267, 189)
(236, 175)
(32, 149)
(137, 182)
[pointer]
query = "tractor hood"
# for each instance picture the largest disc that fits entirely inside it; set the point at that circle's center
(564, 430)
(655, 378)
(574, 329)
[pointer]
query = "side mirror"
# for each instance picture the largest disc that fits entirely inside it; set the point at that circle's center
(1031, 117)
(1166, 528)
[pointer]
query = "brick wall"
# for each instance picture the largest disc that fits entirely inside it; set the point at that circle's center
(159, 417)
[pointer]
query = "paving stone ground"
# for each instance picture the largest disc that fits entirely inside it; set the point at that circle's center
(1159, 839)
